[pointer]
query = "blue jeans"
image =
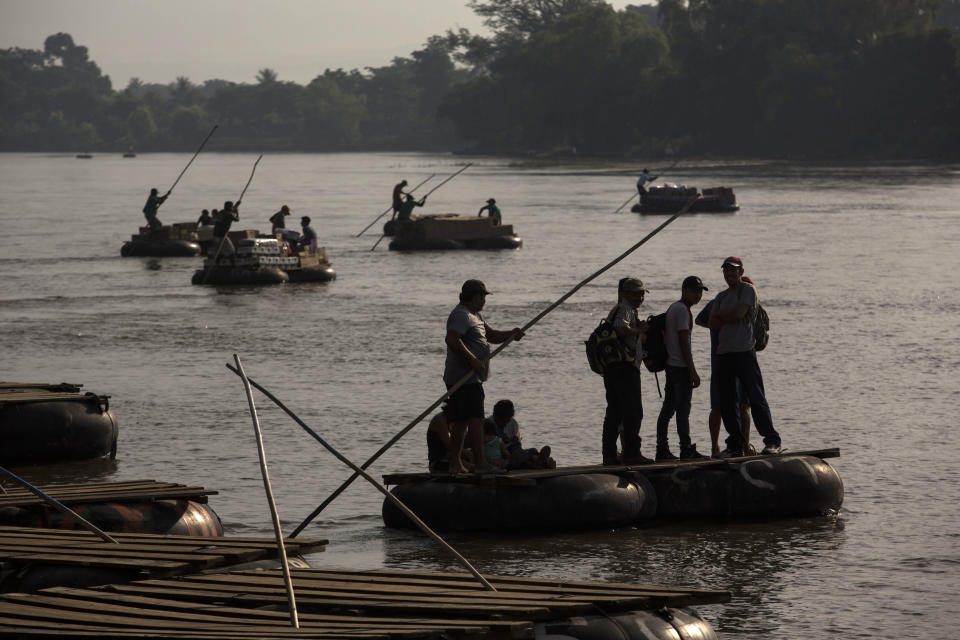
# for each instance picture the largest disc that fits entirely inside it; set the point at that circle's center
(676, 400)
(743, 365)
(624, 406)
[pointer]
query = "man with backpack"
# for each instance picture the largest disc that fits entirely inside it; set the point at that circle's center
(621, 379)
(733, 315)
(681, 374)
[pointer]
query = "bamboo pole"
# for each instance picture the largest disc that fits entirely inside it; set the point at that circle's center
(467, 377)
(449, 178)
(216, 256)
(387, 210)
(170, 190)
(366, 476)
(59, 506)
(281, 549)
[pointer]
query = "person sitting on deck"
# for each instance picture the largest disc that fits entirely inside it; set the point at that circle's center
(308, 239)
(222, 246)
(494, 211)
(398, 197)
(277, 219)
(204, 220)
(505, 424)
(494, 449)
(150, 209)
(406, 209)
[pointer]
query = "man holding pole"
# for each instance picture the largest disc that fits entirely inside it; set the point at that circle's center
(228, 215)
(642, 182)
(150, 209)
(398, 196)
(468, 342)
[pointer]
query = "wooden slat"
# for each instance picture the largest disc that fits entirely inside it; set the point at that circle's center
(130, 491)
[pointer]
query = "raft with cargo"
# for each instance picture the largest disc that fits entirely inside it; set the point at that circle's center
(42, 422)
(671, 198)
(763, 486)
(265, 260)
(178, 240)
(450, 232)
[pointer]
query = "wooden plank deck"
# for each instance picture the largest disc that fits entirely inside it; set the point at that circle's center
(531, 476)
(86, 492)
(331, 603)
(18, 392)
(150, 555)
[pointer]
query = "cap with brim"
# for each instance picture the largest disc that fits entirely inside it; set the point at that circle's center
(693, 282)
(471, 288)
(733, 261)
(634, 285)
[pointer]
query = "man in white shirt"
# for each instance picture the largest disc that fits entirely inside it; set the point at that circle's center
(681, 374)
(642, 182)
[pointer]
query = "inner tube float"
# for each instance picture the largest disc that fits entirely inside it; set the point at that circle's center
(660, 624)
(390, 227)
(768, 486)
(560, 502)
(159, 249)
(408, 243)
(222, 275)
(322, 273)
(57, 430)
(171, 517)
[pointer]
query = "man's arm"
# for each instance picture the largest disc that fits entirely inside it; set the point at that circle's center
(684, 336)
(496, 337)
(455, 343)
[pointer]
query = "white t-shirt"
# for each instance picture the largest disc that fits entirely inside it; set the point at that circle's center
(679, 319)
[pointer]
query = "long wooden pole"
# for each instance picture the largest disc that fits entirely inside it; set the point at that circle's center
(366, 476)
(216, 256)
(449, 178)
(387, 210)
(281, 548)
(170, 190)
(59, 506)
(500, 348)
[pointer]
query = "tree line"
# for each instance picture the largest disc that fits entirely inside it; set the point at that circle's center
(798, 78)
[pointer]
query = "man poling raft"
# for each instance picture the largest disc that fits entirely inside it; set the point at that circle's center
(158, 240)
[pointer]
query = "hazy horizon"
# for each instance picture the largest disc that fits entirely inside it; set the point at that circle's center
(233, 39)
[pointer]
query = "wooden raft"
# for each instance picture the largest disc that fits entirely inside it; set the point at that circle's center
(331, 603)
(86, 492)
(20, 392)
(151, 555)
(530, 476)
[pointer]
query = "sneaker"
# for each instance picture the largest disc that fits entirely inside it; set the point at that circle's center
(691, 454)
(637, 459)
(665, 454)
(771, 450)
(727, 453)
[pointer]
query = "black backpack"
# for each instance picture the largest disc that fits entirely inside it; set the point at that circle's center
(604, 346)
(655, 348)
(761, 329)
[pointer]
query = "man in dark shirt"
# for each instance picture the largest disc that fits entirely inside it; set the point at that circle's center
(150, 209)
(277, 219)
(493, 209)
(222, 246)
(407, 207)
(398, 196)
(308, 239)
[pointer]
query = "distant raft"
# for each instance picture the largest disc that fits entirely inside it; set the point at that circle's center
(178, 240)
(42, 422)
(450, 232)
(262, 260)
(559, 502)
(671, 198)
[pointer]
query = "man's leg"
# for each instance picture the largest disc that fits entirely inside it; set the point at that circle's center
(683, 399)
(666, 411)
(457, 432)
(752, 380)
(713, 423)
(632, 407)
(727, 379)
(611, 419)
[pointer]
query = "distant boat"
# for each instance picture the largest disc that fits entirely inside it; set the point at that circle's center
(84, 156)
(129, 154)
(671, 198)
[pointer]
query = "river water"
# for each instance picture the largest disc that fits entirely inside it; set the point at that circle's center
(856, 265)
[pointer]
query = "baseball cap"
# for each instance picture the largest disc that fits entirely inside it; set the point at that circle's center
(471, 288)
(633, 285)
(733, 261)
(693, 282)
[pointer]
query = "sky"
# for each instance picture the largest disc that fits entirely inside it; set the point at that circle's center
(159, 40)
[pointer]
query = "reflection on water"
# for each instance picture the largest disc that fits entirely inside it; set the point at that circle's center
(856, 266)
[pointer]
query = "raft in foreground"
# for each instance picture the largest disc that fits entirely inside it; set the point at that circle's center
(448, 232)
(42, 422)
(799, 484)
(670, 199)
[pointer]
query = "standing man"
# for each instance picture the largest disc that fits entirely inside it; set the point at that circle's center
(406, 208)
(150, 209)
(681, 374)
(733, 314)
(468, 342)
(621, 380)
(277, 219)
(222, 246)
(642, 182)
(398, 197)
(494, 211)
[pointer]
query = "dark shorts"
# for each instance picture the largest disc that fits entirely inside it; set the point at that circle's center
(465, 403)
